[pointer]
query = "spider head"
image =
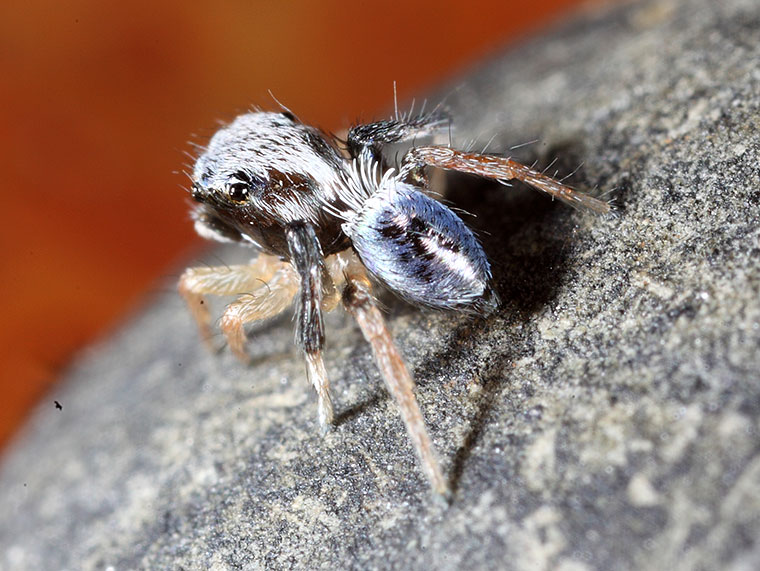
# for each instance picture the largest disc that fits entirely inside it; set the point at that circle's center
(265, 171)
(238, 165)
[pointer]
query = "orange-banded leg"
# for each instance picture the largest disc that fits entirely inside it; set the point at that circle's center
(500, 169)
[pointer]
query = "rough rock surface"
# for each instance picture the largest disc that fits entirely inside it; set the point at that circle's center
(607, 417)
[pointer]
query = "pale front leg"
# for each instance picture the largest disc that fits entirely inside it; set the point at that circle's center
(223, 280)
(267, 300)
(357, 298)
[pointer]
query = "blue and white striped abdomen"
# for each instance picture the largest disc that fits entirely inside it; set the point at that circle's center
(420, 249)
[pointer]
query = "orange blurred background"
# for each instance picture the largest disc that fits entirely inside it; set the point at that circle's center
(98, 101)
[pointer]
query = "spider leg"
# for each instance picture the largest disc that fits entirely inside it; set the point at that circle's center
(357, 298)
(270, 298)
(223, 280)
(497, 168)
(306, 257)
(367, 141)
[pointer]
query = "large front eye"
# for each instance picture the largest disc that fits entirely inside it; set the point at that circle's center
(238, 192)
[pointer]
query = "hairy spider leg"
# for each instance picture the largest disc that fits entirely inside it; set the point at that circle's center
(306, 257)
(236, 280)
(358, 300)
(269, 299)
(500, 169)
(368, 141)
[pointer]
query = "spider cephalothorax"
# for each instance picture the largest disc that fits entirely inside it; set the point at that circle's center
(331, 217)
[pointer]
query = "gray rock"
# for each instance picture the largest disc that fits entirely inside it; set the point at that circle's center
(606, 418)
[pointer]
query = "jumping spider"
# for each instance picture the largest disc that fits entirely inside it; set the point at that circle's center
(331, 216)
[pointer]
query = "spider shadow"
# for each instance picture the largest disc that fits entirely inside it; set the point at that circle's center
(360, 407)
(524, 235)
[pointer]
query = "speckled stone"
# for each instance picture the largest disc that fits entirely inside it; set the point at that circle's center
(607, 417)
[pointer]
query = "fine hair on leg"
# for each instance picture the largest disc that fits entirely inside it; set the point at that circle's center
(195, 283)
(501, 169)
(357, 298)
(267, 300)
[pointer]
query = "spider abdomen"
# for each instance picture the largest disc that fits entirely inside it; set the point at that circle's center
(421, 250)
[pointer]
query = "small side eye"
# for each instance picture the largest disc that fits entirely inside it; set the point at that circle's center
(238, 192)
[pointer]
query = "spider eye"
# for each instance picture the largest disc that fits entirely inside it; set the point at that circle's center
(238, 192)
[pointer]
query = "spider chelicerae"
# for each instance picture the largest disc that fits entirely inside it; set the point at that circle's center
(331, 217)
